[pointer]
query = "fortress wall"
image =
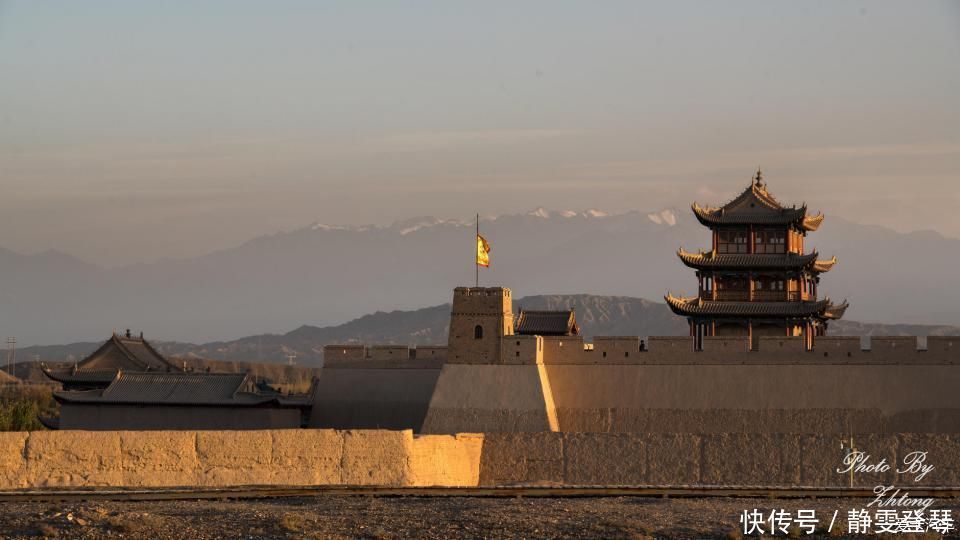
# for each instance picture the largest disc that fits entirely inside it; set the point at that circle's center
(367, 363)
(74, 459)
(943, 346)
(839, 346)
(373, 398)
(344, 352)
(430, 351)
(614, 348)
(565, 350)
(721, 459)
(524, 349)
(491, 398)
(735, 350)
(384, 355)
(756, 398)
(388, 352)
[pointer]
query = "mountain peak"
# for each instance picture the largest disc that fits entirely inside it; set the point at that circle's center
(543, 213)
(664, 217)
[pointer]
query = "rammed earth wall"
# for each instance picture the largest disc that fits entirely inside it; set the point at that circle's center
(718, 459)
(237, 458)
(73, 459)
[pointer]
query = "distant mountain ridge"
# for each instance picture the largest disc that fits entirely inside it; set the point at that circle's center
(597, 315)
(323, 274)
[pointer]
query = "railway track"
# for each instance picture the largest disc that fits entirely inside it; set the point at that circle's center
(267, 492)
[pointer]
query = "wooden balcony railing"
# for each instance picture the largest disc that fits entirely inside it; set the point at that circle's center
(757, 296)
(732, 296)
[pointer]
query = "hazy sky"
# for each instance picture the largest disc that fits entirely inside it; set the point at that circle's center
(136, 130)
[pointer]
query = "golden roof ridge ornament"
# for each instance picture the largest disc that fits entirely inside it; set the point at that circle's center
(758, 179)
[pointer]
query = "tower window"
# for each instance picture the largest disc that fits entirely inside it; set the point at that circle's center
(733, 241)
(770, 241)
(478, 332)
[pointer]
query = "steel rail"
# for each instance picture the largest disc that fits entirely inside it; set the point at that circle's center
(266, 492)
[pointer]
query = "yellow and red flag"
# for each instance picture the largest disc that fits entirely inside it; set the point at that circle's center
(483, 251)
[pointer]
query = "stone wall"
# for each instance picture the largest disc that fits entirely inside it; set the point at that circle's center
(720, 459)
(237, 458)
(373, 397)
(491, 398)
(756, 398)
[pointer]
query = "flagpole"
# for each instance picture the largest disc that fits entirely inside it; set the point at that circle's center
(476, 243)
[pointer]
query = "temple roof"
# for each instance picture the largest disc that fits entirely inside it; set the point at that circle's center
(755, 205)
(181, 388)
(547, 323)
(73, 375)
(696, 306)
(120, 352)
(824, 266)
(836, 311)
(753, 260)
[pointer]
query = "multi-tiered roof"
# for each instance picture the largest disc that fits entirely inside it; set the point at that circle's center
(731, 271)
(124, 352)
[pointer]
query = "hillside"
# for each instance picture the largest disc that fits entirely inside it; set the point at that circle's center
(322, 275)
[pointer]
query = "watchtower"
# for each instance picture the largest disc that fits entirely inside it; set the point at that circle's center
(480, 317)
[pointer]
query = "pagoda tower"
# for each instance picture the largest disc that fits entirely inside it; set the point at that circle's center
(756, 280)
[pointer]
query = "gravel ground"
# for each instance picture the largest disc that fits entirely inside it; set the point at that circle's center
(408, 517)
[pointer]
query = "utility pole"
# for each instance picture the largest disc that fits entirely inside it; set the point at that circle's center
(11, 353)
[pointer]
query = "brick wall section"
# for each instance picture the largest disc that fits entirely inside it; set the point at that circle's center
(71, 459)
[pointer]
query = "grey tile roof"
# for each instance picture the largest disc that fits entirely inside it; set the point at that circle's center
(120, 352)
(747, 260)
(756, 205)
(180, 388)
(695, 306)
(546, 323)
(142, 352)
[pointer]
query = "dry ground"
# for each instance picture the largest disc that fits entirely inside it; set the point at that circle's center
(404, 517)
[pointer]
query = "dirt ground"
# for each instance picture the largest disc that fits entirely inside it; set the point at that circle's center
(412, 517)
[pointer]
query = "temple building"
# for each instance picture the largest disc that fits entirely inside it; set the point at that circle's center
(756, 280)
(126, 384)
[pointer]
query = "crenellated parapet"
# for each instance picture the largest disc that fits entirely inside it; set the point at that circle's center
(613, 350)
(527, 349)
(383, 356)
